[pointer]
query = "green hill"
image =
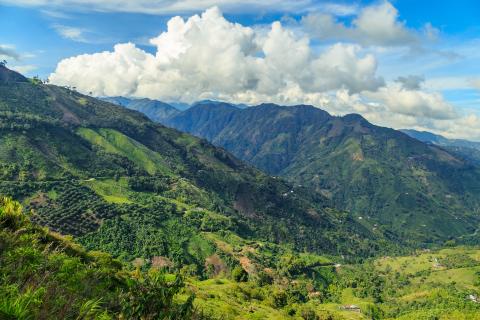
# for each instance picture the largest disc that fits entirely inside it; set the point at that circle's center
(47, 276)
(415, 190)
(117, 180)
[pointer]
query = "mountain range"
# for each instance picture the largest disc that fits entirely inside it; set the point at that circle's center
(440, 140)
(415, 189)
(85, 165)
(157, 110)
(468, 150)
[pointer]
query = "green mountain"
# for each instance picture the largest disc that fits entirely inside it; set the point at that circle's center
(439, 140)
(155, 110)
(124, 184)
(465, 149)
(415, 190)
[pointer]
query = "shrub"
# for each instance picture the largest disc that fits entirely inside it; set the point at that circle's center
(278, 299)
(11, 215)
(239, 274)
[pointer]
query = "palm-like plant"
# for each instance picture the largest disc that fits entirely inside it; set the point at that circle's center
(11, 215)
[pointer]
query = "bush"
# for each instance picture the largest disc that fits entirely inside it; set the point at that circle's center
(239, 274)
(263, 278)
(309, 314)
(11, 215)
(279, 299)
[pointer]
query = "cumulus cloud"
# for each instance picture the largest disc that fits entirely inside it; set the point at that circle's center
(418, 110)
(207, 56)
(415, 103)
(411, 82)
(377, 24)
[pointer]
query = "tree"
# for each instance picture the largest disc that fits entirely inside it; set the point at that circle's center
(3, 63)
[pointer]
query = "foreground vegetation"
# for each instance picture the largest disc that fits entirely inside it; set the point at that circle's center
(48, 276)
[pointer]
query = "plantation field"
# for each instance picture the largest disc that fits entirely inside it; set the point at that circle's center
(424, 285)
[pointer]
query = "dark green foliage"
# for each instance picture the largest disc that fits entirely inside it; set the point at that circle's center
(458, 260)
(75, 210)
(239, 274)
(149, 184)
(153, 296)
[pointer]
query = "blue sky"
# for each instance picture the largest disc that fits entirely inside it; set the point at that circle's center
(438, 41)
(31, 29)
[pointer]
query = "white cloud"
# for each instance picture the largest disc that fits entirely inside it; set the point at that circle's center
(8, 52)
(71, 33)
(466, 126)
(26, 68)
(188, 6)
(209, 57)
(417, 110)
(415, 103)
(377, 24)
(475, 83)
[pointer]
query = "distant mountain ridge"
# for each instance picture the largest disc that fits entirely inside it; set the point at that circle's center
(468, 150)
(155, 110)
(160, 111)
(440, 140)
(376, 173)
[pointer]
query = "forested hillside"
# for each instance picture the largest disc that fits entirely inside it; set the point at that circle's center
(413, 189)
(48, 276)
(116, 180)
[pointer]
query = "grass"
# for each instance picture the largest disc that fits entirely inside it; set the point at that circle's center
(225, 297)
(111, 190)
(462, 277)
(115, 142)
(239, 301)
